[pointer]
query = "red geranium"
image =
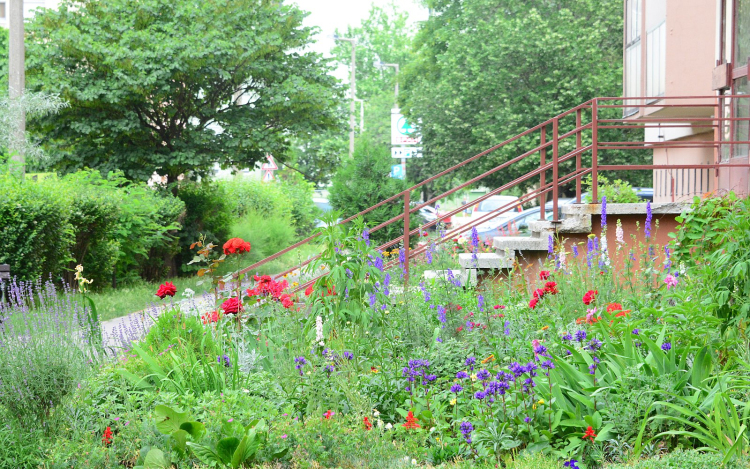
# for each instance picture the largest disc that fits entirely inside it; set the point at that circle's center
(166, 289)
(286, 301)
(551, 288)
(544, 275)
(236, 246)
(534, 301)
(539, 293)
(232, 306)
(107, 437)
(213, 316)
(309, 290)
(368, 425)
(411, 422)
(590, 297)
(614, 307)
(329, 414)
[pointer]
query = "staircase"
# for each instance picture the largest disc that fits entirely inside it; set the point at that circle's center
(570, 146)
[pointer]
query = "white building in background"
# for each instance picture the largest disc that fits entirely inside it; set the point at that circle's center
(29, 6)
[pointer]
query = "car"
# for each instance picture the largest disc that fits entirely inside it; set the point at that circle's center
(645, 193)
(493, 203)
(428, 214)
(517, 224)
(324, 207)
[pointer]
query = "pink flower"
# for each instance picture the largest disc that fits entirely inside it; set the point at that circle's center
(671, 281)
(283, 437)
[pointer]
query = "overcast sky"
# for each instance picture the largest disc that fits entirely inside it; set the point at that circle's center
(330, 15)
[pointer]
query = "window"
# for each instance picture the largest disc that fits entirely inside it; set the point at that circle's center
(632, 77)
(2, 10)
(742, 33)
(656, 57)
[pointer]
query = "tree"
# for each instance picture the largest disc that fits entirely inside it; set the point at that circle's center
(364, 181)
(487, 70)
(174, 86)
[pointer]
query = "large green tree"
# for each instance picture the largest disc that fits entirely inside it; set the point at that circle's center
(487, 70)
(174, 86)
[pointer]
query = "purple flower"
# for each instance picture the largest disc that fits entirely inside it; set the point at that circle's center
(635, 332)
(348, 355)
(480, 302)
(483, 375)
(348, 273)
(666, 346)
(604, 212)
(567, 336)
(456, 388)
(330, 369)
(379, 263)
(470, 362)
(594, 345)
(462, 375)
(572, 464)
(466, 429)
(527, 419)
(580, 336)
(300, 362)
(424, 292)
(480, 395)
(507, 328)
(366, 236)
(474, 238)
(373, 299)
(548, 365)
(441, 314)
(575, 251)
(550, 244)
(647, 225)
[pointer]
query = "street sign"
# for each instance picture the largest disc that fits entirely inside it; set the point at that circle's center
(406, 152)
(397, 172)
(268, 169)
(403, 132)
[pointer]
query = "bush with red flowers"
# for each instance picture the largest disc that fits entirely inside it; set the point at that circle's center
(232, 306)
(590, 297)
(544, 275)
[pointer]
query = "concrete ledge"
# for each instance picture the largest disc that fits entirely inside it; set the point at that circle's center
(571, 224)
(625, 209)
(485, 260)
(519, 243)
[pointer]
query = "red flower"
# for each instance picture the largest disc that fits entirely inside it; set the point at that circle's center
(534, 301)
(498, 307)
(593, 320)
(368, 425)
(107, 436)
(459, 328)
(544, 275)
(309, 290)
(551, 288)
(166, 289)
(459, 308)
(589, 434)
(622, 313)
(614, 307)
(236, 246)
(329, 414)
(590, 297)
(411, 422)
(286, 301)
(425, 234)
(539, 293)
(232, 306)
(213, 316)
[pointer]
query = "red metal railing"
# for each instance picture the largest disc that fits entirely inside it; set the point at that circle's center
(583, 135)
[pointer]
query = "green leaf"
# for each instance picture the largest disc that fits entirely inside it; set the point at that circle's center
(204, 453)
(195, 429)
(226, 447)
(156, 459)
(169, 420)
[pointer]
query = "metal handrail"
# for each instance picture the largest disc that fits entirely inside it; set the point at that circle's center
(590, 108)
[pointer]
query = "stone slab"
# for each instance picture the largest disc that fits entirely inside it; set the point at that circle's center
(519, 243)
(485, 260)
(570, 224)
(625, 209)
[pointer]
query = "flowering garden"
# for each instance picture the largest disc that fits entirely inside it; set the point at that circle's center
(587, 366)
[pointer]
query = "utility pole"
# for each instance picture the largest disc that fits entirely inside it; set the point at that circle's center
(380, 64)
(16, 85)
(352, 91)
(361, 114)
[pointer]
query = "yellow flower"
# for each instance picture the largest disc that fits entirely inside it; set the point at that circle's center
(533, 407)
(541, 401)
(453, 402)
(474, 377)
(295, 284)
(545, 328)
(387, 312)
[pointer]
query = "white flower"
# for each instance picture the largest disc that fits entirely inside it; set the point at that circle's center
(413, 462)
(188, 293)
(318, 329)
(563, 258)
(375, 412)
(388, 426)
(682, 269)
(321, 343)
(380, 423)
(620, 233)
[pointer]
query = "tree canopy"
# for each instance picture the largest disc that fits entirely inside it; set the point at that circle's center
(486, 70)
(174, 86)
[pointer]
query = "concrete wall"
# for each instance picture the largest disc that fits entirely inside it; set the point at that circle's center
(678, 185)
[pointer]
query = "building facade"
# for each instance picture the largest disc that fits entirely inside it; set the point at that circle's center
(690, 48)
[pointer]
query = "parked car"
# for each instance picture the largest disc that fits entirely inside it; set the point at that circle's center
(644, 193)
(517, 224)
(324, 207)
(493, 203)
(428, 214)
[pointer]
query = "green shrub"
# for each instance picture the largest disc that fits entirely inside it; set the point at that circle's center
(300, 193)
(617, 192)
(35, 229)
(207, 211)
(680, 459)
(267, 199)
(266, 235)
(364, 181)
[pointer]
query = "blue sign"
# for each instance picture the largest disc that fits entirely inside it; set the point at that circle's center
(397, 172)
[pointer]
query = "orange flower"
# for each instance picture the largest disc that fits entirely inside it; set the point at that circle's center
(374, 369)
(491, 358)
(368, 425)
(622, 313)
(614, 307)
(411, 422)
(589, 434)
(545, 328)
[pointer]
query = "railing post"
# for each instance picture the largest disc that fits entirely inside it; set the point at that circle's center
(594, 150)
(555, 187)
(542, 181)
(407, 209)
(578, 156)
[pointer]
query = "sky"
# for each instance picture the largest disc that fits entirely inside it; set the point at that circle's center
(330, 15)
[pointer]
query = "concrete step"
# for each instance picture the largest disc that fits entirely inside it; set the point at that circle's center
(505, 244)
(486, 260)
